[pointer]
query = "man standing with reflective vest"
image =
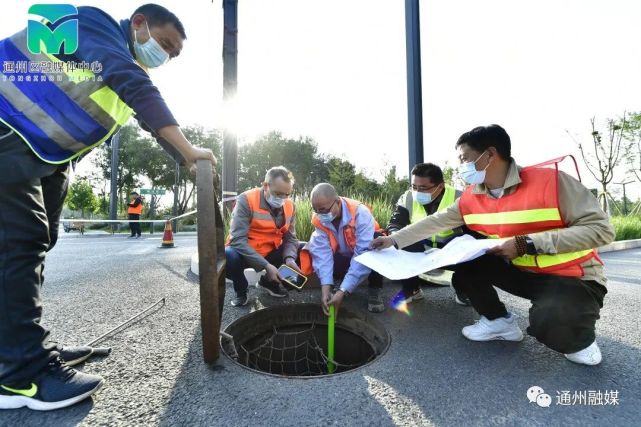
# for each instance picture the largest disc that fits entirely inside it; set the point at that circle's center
(428, 195)
(552, 226)
(263, 235)
(134, 210)
(50, 115)
(344, 228)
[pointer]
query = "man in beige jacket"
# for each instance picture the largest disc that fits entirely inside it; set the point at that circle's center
(551, 225)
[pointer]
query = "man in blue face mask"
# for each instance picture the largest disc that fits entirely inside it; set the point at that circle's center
(427, 195)
(59, 104)
(343, 229)
(263, 235)
(550, 225)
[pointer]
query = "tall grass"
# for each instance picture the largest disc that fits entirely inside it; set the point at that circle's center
(626, 227)
(381, 209)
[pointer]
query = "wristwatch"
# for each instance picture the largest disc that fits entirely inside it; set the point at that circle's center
(531, 249)
(344, 291)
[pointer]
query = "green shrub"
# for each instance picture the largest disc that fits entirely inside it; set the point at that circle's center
(381, 209)
(626, 227)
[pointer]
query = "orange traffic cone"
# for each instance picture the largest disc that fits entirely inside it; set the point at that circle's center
(168, 237)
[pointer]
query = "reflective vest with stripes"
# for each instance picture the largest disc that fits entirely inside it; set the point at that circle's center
(263, 234)
(349, 230)
(532, 208)
(349, 234)
(62, 115)
(417, 213)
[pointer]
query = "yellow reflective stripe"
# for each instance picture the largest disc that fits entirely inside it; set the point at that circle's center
(105, 97)
(545, 261)
(112, 104)
(514, 217)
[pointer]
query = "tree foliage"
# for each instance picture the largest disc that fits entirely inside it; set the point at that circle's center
(81, 197)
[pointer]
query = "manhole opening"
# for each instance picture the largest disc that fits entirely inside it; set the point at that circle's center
(291, 341)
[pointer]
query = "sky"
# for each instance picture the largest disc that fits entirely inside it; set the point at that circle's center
(335, 70)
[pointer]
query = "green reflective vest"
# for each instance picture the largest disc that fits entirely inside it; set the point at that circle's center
(417, 213)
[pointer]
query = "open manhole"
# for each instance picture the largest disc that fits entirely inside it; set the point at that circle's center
(291, 341)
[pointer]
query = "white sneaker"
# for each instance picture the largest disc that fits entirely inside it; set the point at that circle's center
(590, 355)
(497, 329)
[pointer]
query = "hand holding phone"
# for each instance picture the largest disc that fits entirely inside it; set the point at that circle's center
(292, 277)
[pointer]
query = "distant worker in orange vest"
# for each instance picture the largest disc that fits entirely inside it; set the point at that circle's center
(134, 211)
(344, 228)
(551, 224)
(263, 235)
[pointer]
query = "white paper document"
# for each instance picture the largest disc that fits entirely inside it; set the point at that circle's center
(398, 264)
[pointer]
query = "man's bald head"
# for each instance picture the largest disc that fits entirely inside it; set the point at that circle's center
(323, 190)
(325, 200)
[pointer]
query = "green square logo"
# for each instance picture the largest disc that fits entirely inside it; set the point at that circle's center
(41, 39)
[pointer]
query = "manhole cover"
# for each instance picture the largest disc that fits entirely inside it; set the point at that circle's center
(291, 341)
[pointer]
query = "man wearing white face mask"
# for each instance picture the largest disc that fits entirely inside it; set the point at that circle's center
(343, 229)
(263, 235)
(55, 106)
(428, 194)
(551, 225)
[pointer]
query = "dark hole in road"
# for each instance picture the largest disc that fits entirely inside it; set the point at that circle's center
(291, 341)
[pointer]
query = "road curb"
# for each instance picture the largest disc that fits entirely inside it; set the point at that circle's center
(620, 245)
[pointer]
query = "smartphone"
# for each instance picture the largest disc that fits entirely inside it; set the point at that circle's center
(292, 277)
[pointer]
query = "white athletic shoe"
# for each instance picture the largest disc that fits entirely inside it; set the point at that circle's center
(497, 329)
(590, 355)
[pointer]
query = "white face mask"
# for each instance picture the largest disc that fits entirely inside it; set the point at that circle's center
(468, 171)
(150, 53)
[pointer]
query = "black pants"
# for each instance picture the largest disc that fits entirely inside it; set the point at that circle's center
(30, 206)
(341, 267)
(135, 226)
(236, 265)
(413, 283)
(564, 309)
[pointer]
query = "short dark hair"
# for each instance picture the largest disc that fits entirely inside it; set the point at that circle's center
(428, 170)
(483, 137)
(158, 15)
(133, 192)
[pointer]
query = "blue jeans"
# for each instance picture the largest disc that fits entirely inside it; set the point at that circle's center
(236, 265)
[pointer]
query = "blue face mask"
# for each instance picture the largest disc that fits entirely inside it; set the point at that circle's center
(150, 53)
(422, 198)
(326, 218)
(468, 171)
(275, 202)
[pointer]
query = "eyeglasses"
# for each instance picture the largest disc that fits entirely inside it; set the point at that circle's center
(423, 189)
(279, 194)
(326, 210)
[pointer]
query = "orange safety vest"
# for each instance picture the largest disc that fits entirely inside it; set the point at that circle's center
(532, 208)
(349, 234)
(263, 234)
(135, 210)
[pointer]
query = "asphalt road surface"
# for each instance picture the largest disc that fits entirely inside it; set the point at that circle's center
(431, 374)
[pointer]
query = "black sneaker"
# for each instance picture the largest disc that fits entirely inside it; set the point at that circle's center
(58, 386)
(239, 300)
(73, 356)
(273, 288)
(374, 301)
(413, 295)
